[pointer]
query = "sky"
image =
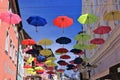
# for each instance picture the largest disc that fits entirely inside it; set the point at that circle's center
(50, 9)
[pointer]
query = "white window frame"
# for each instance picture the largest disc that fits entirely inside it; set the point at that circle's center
(11, 48)
(7, 42)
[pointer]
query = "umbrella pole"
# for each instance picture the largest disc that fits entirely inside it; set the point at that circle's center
(36, 29)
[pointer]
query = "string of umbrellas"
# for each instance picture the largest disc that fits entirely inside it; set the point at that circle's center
(43, 61)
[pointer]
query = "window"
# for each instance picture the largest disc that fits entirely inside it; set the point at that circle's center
(7, 42)
(96, 2)
(11, 49)
(13, 55)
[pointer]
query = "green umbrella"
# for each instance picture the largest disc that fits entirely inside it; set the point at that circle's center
(87, 18)
(80, 46)
(82, 37)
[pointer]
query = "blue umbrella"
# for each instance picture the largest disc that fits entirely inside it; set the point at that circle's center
(41, 58)
(36, 21)
(33, 52)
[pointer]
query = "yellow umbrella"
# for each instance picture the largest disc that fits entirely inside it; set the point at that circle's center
(30, 60)
(45, 52)
(112, 15)
(31, 71)
(45, 42)
(51, 58)
(38, 68)
(50, 63)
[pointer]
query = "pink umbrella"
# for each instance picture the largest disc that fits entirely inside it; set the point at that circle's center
(10, 18)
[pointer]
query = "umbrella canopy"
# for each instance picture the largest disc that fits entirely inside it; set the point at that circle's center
(50, 63)
(41, 58)
(61, 50)
(63, 40)
(63, 21)
(45, 42)
(62, 63)
(102, 30)
(51, 58)
(60, 70)
(38, 68)
(87, 18)
(30, 60)
(77, 51)
(97, 41)
(50, 72)
(27, 66)
(33, 52)
(80, 46)
(39, 71)
(28, 42)
(40, 64)
(36, 21)
(112, 15)
(78, 60)
(50, 68)
(65, 57)
(82, 37)
(10, 18)
(45, 52)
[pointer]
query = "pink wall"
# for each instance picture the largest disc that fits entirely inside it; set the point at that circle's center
(7, 66)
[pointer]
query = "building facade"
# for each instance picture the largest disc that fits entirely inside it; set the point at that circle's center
(107, 55)
(8, 43)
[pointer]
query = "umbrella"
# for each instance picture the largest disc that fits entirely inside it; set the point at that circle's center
(50, 68)
(39, 71)
(41, 58)
(36, 21)
(61, 50)
(87, 18)
(112, 15)
(50, 63)
(45, 42)
(102, 30)
(77, 51)
(78, 60)
(97, 41)
(82, 37)
(10, 18)
(62, 63)
(30, 60)
(45, 52)
(51, 72)
(63, 40)
(51, 58)
(80, 46)
(28, 42)
(40, 64)
(63, 21)
(33, 52)
(60, 70)
(27, 66)
(65, 57)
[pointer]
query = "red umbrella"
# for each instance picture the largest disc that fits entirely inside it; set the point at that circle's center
(28, 42)
(50, 68)
(61, 50)
(60, 70)
(97, 41)
(65, 57)
(27, 66)
(63, 21)
(40, 71)
(51, 72)
(102, 30)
